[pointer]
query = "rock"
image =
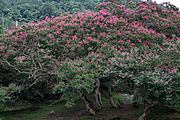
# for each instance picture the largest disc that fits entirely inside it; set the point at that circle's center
(52, 112)
(127, 98)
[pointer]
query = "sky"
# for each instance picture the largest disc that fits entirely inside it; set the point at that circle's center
(174, 2)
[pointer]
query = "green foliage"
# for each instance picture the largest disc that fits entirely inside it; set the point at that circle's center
(2, 5)
(79, 74)
(149, 72)
(25, 11)
(7, 93)
(1, 31)
(48, 10)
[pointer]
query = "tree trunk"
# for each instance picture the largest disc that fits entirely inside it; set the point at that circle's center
(154, 109)
(111, 98)
(147, 112)
(135, 97)
(86, 102)
(98, 95)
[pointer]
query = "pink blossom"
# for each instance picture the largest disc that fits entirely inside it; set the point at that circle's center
(121, 48)
(85, 42)
(92, 28)
(74, 37)
(129, 41)
(121, 41)
(145, 17)
(58, 32)
(80, 43)
(173, 71)
(103, 12)
(46, 18)
(68, 42)
(32, 21)
(145, 43)
(119, 33)
(89, 38)
(133, 45)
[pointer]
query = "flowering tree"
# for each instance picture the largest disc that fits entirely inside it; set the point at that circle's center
(150, 74)
(129, 45)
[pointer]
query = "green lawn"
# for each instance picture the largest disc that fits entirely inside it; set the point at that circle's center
(39, 113)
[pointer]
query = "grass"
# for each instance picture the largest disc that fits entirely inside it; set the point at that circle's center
(42, 111)
(39, 113)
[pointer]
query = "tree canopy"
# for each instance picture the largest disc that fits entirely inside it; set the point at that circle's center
(129, 48)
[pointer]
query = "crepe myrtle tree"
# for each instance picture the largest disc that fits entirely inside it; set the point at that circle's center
(151, 75)
(60, 47)
(34, 50)
(159, 17)
(80, 77)
(29, 64)
(8, 94)
(77, 78)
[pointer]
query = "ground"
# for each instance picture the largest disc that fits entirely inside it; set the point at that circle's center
(76, 113)
(55, 110)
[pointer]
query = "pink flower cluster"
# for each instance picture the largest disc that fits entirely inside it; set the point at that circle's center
(113, 24)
